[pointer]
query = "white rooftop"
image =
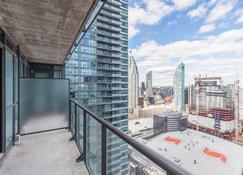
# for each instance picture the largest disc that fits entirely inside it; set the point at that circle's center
(191, 149)
(139, 125)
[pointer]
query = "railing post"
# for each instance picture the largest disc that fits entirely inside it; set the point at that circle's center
(76, 136)
(103, 148)
(75, 124)
(70, 115)
(84, 134)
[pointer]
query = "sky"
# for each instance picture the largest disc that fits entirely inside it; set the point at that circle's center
(206, 35)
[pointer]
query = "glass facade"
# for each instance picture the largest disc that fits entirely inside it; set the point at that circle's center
(149, 84)
(12, 68)
(98, 70)
(179, 86)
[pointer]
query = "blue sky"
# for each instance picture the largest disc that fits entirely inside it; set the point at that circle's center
(207, 35)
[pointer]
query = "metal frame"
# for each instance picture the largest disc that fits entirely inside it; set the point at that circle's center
(5, 47)
(48, 130)
(13, 105)
(84, 140)
(18, 54)
(2, 110)
(159, 160)
(14, 97)
(103, 149)
(15, 52)
(4, 96)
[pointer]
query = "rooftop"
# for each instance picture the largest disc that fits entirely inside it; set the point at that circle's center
(139, 125)
(195, 151)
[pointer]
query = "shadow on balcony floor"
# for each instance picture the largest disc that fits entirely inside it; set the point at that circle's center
(48, 153)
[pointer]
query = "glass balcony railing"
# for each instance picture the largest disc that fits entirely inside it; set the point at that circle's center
(103, 147)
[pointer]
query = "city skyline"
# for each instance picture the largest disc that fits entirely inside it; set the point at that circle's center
(186, 31)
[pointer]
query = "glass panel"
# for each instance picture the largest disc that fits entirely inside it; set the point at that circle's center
(41, 75)
(93, 145)
(117, 155)
(9, 79)
(44, 104)
(16, 110)
(79, 131)
(57, 74)
(21, 69)
(9, 126)
(16, 94)
(73, 118)
(9, 98)
(139, 164)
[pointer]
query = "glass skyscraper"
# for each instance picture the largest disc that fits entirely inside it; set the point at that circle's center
(133, 87)
(179, 87)
(98, 71)
(149, 84)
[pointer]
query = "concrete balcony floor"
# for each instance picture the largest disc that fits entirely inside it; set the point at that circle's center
(49, 153)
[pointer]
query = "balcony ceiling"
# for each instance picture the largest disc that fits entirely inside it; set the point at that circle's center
(44, 29)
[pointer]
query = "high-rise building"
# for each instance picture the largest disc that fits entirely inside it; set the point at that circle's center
(39, 62)
(133, 85)
(149, 84)
(213, 105)
(99, 75)
(143, 88)
(179, 86)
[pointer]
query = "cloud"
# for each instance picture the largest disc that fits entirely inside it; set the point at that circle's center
(182, 4)
(132, 31)
(150, 13)
(221, 10)
(239, 15)
(198, 12)
(225, 42)
(218, 55)
(207, 28)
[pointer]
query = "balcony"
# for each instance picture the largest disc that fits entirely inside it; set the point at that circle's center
(111, 15)
(42, 130)
(88, 139)
(108, 40)
(109, 27)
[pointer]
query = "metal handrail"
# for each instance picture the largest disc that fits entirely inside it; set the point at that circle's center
(161, 161)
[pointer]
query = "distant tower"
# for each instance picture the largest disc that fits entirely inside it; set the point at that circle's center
(149, 84)
(133, 85)
(179, 86)
(143, 88)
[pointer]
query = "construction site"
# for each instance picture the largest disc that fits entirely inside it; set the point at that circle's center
(214, 108)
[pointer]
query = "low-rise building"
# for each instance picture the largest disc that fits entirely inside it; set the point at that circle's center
(194, 151)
